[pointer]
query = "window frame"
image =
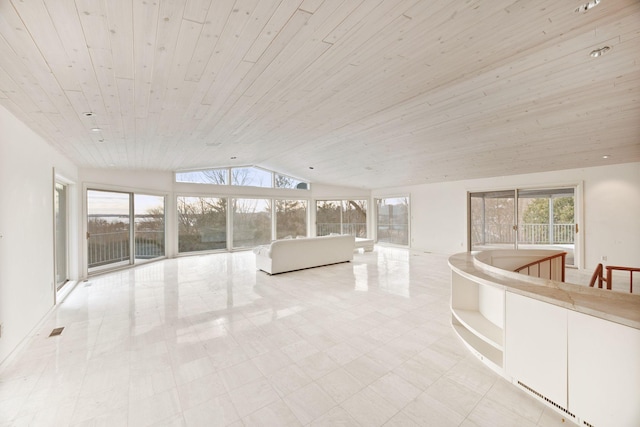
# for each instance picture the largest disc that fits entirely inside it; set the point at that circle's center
(229, 178)
(377, 222)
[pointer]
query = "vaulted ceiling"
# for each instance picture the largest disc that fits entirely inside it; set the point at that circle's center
(369, 93)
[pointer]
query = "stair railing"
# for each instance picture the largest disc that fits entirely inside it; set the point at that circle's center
(631, 270)
(539, 263)
(598, 275)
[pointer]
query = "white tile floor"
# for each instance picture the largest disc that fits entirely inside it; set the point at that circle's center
(209, 341)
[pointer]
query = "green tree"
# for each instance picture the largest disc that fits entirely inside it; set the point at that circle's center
(537, 211)
(291, 218)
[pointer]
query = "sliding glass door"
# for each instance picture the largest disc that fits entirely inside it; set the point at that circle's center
(524, 219)
(123, 228)
(492, 220)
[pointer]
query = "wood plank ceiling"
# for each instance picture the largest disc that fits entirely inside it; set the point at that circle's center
(370, 93)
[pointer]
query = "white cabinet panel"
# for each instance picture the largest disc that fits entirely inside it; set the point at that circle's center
(604, 371)
(536, 346)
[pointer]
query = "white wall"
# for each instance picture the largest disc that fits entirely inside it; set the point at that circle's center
(27, 165)
(611, 210)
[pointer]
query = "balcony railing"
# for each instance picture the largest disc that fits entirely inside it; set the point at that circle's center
(535, 234)
(108, 248)
(547, 233)
(358, 229)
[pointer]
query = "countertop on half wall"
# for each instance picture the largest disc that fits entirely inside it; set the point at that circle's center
(606, 304)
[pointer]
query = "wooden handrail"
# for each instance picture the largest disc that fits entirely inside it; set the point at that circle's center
(540, 261)
(597, 275)
(610, 269)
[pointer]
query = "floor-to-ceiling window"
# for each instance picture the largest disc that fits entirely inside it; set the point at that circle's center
(251, 222)
(341, 217)
(393, 220)
(524, 218)
(291, 218)
(202, 223)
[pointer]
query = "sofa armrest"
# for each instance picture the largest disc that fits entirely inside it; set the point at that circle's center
(264, 250)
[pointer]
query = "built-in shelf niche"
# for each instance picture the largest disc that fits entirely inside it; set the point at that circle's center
(478, 318)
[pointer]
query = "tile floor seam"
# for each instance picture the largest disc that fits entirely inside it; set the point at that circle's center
(321, 309)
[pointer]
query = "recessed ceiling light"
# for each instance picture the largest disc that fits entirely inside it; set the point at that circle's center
(87, 114)
(95, 129)
(599, 52)
(606, 156)
(233, 157)
(310, 167)
(587, 6)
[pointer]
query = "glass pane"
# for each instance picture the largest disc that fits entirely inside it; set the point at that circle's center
(148, 226)
(283, 181)
(108, 228)
(328, 217)
(291, 218)
(354, 218)
(60, 206)
(253, 177)
(547, 220)
(251, 222)
(209, 176)
(393, 220)
(202, 223)
(492, 220)
(341, 217)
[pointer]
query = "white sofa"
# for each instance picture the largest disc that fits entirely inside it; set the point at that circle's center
(296, 254)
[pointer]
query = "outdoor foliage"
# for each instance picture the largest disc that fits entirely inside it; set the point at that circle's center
(202, 223)
(537, 211)
(291, 218)
(341, 217)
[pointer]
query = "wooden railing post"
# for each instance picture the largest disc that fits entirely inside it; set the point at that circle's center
(631, 270)
(539, 263)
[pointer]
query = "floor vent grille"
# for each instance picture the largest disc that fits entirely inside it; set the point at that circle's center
(56, 332)
(587, 424)
(546, 399)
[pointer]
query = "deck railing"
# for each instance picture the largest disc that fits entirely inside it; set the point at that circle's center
(546, 233)
(535, 234)
(358, 229)
(107, 248)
